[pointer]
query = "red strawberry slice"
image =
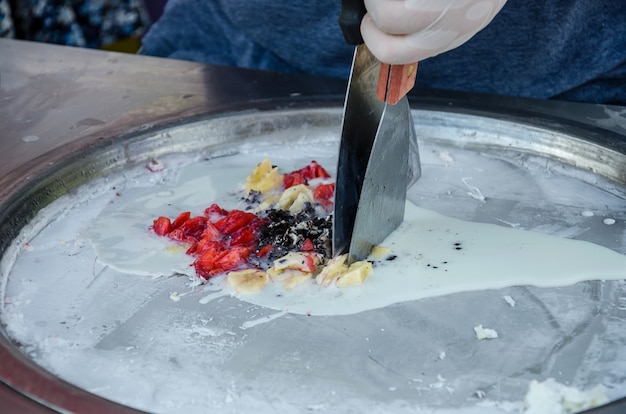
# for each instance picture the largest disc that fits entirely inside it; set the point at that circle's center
(234, 220)
(314, 170)
(176, 234)
(232, 258)
(210, 232)
(194, 227)
(244, 235)
(214, 212)
(182, 217)
(213, 261)
(301, 176)
(307, 246)
(324, 191)
(293, 178)
(162, 226)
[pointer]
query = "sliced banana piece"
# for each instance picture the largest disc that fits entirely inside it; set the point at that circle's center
(294, 198)
(356, 274)
(248, 280)
(294, 268)
(335, 267)
(380, 252)
(268, 202)
(291, 278)
(264, 177)
(302, 261)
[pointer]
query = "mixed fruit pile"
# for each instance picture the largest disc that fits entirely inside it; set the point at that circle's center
(283, 234)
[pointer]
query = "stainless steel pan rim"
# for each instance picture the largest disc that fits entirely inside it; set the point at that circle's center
(583, 147)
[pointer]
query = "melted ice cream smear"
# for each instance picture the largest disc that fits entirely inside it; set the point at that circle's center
(433, 254)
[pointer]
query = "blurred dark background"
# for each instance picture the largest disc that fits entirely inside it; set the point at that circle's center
(100, 24)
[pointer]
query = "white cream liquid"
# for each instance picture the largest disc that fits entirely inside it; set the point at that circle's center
(436, 255)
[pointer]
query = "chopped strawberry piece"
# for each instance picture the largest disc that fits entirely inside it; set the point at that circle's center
(257, 222)
(215, 209)
(176, 234)
(205, 264)
(301, 176)
(244, 235)
(324, 191)
(191, 251)
(194, 227)
(210, 232)
(233, 221)
(264, 251)
(215, 212)
(162, 226)
(204, 244)
(307, 246)
(182, 217)
(233, 257)
(213, 262)
(315, 171)
(196, 248)
(294, 178)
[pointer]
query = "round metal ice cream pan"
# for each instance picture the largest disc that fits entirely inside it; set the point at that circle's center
(118, 343)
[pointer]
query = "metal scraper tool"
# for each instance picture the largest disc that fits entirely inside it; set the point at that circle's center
(373, 168)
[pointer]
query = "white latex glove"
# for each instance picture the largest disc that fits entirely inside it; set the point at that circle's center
(406, 31)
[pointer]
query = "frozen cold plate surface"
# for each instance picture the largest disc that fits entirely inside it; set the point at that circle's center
(122, 337)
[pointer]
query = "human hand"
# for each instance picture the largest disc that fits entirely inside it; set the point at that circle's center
(405, 31)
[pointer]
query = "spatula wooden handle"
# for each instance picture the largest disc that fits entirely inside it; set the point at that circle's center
(395, 81)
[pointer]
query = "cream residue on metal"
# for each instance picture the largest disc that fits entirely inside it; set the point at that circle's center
(434, 254)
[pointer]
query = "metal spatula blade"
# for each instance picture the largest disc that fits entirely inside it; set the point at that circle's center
(377, 128)
(372, 169)
(383, 194)
(361, 115)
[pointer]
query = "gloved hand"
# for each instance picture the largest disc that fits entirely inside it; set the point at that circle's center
(406, 31)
